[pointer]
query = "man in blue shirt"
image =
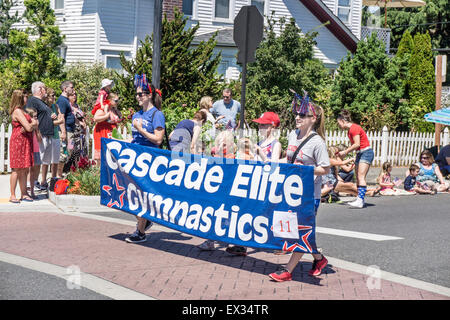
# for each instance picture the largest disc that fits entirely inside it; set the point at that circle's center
(226, 110)
(69, 119)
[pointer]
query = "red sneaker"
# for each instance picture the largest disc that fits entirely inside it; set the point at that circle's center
(281, 275)
(318, 266)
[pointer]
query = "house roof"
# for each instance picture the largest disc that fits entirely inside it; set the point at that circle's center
(224, 37)
(317, 8)
(336, 26)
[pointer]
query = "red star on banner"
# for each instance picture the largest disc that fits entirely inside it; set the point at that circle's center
(292, 247)
(119, 188)
(286, 246)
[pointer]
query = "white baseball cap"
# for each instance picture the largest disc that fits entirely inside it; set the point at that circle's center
(107, 82)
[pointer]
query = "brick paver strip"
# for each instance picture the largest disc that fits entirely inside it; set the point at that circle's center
(169, 266)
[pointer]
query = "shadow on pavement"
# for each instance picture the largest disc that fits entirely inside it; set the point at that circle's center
(166, 241)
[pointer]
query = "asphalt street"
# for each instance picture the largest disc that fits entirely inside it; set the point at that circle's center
(422, 221)
(18, 283)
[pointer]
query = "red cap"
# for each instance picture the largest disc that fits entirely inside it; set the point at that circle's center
(268, 118)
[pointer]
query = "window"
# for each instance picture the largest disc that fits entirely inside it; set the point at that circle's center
(59, 4)
(223, 67)
(222, 9)
(188, 7)
(62, 50)
(259, 4)
(344, 7)
(113, 62)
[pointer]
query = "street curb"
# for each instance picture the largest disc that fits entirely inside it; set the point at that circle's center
(73, 200)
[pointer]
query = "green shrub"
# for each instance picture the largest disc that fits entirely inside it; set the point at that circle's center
(85, 181)
(365, 80)
(87, 79)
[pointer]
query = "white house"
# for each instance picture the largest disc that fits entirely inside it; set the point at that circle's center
(335, 39)
(98, 30)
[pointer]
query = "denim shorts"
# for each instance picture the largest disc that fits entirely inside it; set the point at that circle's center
(365, 156)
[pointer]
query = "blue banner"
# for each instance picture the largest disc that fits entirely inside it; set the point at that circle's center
(241, 202)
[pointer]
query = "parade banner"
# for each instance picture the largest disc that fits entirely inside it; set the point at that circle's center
(241, 202)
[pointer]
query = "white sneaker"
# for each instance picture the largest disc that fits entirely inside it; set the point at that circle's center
(208, 245)
(358, 203)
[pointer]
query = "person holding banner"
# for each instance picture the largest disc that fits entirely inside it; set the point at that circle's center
(307, 147)
(224, 147)
(269, 149)
(364, 155)
(148, 127)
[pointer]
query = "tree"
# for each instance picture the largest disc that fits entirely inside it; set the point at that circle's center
(422, 82)
(367, 81)
(6, 21)
(433, 18)
(283, 62)
(403, 55)
(187, 73)
(406, 45)
(34, 55)
(87, 80)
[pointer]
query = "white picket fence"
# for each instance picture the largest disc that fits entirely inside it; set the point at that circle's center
(399, 148)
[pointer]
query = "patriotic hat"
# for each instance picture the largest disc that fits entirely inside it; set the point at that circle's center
(268, 118)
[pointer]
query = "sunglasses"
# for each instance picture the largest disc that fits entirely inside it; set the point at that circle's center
(425, 157)
(304, 115)
(227, 97)
(116, 100)
(140, 94)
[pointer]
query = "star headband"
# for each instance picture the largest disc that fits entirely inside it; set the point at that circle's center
(302, 105)
(141, 81)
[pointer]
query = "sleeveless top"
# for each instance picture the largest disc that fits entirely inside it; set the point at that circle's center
(269, 148)
(427, 174)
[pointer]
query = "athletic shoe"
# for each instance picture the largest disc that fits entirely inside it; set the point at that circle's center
(37, 186)
(208, 245)
(44, 186)
(281, 275)
(148, 225)
(318, 266)
(237, 250)
(358, 203)
(136, 238)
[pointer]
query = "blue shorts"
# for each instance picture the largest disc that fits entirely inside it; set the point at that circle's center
(365, 156)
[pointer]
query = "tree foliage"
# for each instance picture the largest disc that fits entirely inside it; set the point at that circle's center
(283, 61)
(33, 54)
(422, 80)
(367, 81)
(87, 80)
(7, 19)
(426, 19)
(187, 73)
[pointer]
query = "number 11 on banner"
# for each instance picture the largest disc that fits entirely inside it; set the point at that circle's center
(285, 225)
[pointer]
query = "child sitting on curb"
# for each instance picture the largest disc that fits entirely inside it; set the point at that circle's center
(387, 185)
(410, 182)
